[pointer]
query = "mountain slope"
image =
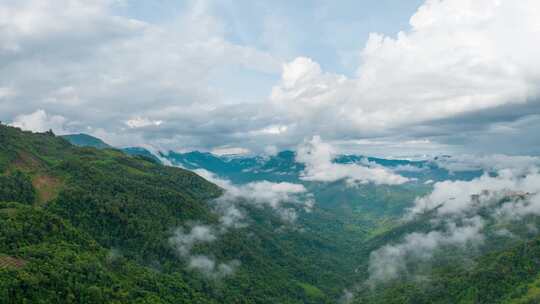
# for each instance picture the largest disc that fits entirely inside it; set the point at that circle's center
(81, 224)
(506, 276)
(127, 208)
(85, 140)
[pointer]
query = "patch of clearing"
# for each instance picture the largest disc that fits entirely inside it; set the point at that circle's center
(27, 162)
(311, 291)
(8, 211)
(7, 262)
(47, 187)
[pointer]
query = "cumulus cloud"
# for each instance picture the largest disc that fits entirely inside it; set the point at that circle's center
(40, 121)
(318, 158)
(464, 71)
(273, 194)
(129, 73)
(458, 58)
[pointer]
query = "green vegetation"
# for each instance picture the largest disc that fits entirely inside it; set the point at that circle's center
(507, 276)
(92, 226)
(17, 186)
(87, 225)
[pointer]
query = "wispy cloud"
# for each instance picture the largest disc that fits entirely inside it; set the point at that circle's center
(277, 196)
(318, 158)
(184, 241)
(391, 261)
(459, 212)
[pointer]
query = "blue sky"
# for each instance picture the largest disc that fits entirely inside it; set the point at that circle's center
(332, 33)
(371, 77)
(328, 31)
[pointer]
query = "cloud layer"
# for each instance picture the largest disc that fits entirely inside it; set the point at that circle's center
(462, 77)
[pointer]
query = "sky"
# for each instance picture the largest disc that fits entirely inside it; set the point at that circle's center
(385, 78)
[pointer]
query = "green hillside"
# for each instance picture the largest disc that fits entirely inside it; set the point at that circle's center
(87, 225)
(506, 276)
(500, 269)
(94, 225)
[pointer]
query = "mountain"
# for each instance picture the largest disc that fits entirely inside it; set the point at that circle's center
(89, 225)
(502, 268)
(85, 140)
(280, 167)
(138, 151)
(81, 224)
(284, 167)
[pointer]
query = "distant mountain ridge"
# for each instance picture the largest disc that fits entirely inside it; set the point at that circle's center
(279, 167)
(95, 226)
(85, 140)
(284, 167)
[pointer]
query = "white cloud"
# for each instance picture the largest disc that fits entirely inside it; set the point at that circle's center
(304, 88)
(390, 261)
(230, 151)
(141, 122)
(455, 197)
(459, 57)
(262, 193)
(210, 268)
(521, 207)
(40, 121)
(273, 194)
(184, 242)
(463, 208)
(408, 168)
(129, 72)
(318, 158)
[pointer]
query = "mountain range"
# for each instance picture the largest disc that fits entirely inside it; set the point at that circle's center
(83, 222)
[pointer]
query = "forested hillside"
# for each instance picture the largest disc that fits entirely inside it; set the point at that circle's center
(88, 225)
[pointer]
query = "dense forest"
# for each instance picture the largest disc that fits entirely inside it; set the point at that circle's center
(95, 225)
(88, 225)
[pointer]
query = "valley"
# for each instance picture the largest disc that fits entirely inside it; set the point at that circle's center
(125, 228)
